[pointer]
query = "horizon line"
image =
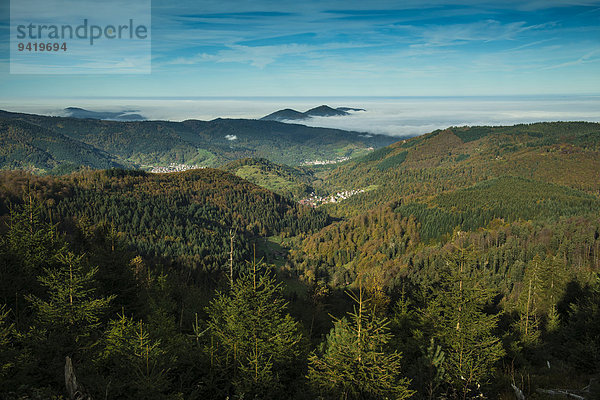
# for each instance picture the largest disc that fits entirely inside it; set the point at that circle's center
(299, 97)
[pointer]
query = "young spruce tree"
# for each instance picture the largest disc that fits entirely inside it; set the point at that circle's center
(464, 329)
(133, 362)
(67, 318)
(255, 344)
(7, 350)
(355, 363)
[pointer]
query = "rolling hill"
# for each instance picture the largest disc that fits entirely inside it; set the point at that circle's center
(508, 192)
(24, 145)
(125, 115)
(285, 115)
(282, 179)
(195, 143)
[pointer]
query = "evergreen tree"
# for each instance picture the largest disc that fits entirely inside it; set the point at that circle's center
(7, 350)
(70, 306)
(67, 319)
(553, 320)
(435, 375)
(527, 305)
(424, 354)
(543, 285)
(29, 245)
(134, 363)
(464, 330)
(30, 237)
(254, 342)
(354, 362)
(580, 339)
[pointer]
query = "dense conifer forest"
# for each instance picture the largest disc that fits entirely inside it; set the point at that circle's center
(469, 268)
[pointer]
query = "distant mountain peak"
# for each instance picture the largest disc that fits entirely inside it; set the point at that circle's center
(82, 113)
(285, 114)
(324, 110)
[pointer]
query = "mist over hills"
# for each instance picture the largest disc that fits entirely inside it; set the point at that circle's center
(289, 114)
(125, 115)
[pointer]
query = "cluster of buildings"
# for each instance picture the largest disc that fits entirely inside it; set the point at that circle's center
(315, 201)
(326, 162)
(174, 168)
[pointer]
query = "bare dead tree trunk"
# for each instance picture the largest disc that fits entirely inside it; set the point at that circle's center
(231, 238)
(74, 389)
(558, 392)
(518, 393)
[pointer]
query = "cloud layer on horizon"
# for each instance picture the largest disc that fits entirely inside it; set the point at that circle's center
(394, 117)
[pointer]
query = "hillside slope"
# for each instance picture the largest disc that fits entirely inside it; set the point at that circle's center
(24, 145)
(562, 153)
(205, 143)
(281, 179)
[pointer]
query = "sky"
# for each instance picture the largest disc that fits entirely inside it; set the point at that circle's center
(205, 48)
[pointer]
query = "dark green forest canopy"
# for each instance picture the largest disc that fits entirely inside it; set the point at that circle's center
(184, 216)
(507, 198)
(470, 263)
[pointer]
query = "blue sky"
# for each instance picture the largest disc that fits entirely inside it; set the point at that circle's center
(348, 48)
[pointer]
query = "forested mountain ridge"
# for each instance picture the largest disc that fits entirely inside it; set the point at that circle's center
(192, 142)
(458, 179)
(522, 203)
(320, 111)
(24, 145)
(563, 153)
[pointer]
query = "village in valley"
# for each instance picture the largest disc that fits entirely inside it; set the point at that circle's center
(173, 168)
(314, 200)
(326, 162)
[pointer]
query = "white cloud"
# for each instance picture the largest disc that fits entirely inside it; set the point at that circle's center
(415, 116)
(407, 116)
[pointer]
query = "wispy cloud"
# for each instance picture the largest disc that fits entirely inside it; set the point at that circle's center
(585, 59)
(479, 31)
(259, 56)
(256, 56)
